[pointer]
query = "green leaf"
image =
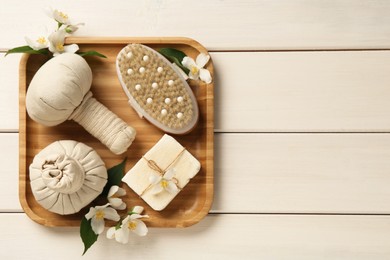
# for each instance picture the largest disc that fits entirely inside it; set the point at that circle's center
(27, 49)
(175, 56)
(118, 225)
(91, 53)
(115, 175)
(87, 235)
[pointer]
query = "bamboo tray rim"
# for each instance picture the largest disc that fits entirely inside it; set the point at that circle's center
(209, 124)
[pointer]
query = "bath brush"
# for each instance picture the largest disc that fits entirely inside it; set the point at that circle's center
(156, 90)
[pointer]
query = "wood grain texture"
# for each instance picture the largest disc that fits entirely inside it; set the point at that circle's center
(191, 205)
(302, 173)
(9, 92)
(216, 237)
(281, 91)
(9, 201)
(278, 173)
(256, 92)
(302, 91)
(219, 25)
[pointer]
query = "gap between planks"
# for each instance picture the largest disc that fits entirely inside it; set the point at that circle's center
(4, 50)
(16, 212)
(217, 131)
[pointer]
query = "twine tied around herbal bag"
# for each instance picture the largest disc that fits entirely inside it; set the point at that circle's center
(164, 182)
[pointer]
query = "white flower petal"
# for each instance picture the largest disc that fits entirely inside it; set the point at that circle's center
(172, 188)
(137, 209)
(125, 220)
(63, 27)
(110, 233)
(134, 216)
(121, 192)
(115, 202)
(188, 62)
(193, 76)
(154, 179)
(42, 45)
(71, 48)
(56, 40)
(38, 44)
(156, 189)
(97, 225)
(72, 28)
(202, 60)
(122, 206)
(60, 17)
(140, 228)
(49, 11)
(112, 191)
(122, 235)
(205, 76)
(57, 36)
(30, 43)
(110, 213)
(169, 174)
(180, 71)
(102, 207)
(91, 213)
(52, 48)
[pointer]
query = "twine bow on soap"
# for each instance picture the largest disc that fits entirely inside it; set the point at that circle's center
(165, 179)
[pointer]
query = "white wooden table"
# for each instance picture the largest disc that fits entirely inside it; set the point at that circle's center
(302, 129)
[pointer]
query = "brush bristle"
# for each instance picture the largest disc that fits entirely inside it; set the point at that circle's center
(156, 87)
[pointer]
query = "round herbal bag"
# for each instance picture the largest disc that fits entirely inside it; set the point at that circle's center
(66, 176)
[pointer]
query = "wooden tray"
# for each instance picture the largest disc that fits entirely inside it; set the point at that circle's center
(192, 203)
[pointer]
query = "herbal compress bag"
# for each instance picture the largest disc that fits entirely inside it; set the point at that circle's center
(60, 91)
(66, 176)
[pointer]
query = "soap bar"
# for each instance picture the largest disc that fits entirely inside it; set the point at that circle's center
(162, 172)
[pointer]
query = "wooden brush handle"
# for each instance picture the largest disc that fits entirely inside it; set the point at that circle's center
(99, 121)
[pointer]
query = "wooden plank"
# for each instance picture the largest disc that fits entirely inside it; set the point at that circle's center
(279, 91)
(302, 91)
(9, 67)
(225, 236)
(9, 199)
(278, 173)
(226, 25)
(302, 173)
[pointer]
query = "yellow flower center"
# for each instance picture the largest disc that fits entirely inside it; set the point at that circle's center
(64, 16)
(194, 70)
(132, 225)
(164, 184)
(99, 214)
(114, 196)
(60, 47)
(41, 40)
